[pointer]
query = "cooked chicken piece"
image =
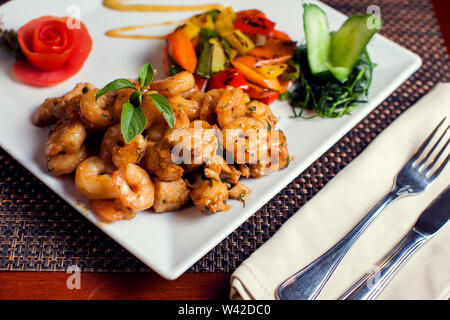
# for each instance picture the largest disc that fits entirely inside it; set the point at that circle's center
(239, 192)
(170, 195)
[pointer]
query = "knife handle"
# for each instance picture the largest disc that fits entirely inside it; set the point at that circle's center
(373, 282)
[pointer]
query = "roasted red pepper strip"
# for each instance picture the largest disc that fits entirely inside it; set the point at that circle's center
(276, 34)
(201, 83)
(228, 77)
(250, 12)
(254, 25)
(262, 94)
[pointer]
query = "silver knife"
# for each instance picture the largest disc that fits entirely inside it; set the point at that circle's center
(435, 216)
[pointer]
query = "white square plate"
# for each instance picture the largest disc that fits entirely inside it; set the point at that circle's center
(172, 242)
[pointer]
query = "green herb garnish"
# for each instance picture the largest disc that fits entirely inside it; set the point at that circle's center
(133, 119)
(329, 97)
(10, 44)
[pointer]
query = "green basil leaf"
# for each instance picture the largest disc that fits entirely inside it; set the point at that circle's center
(164, 107)
(146, 74)
(114, 86)
(136, 98)
(133, 122)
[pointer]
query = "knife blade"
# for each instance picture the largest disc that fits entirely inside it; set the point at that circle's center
(435, 215)
(432, 219)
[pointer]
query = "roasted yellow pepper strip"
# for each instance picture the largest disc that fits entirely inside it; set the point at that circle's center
(254, 76)
(272, 70)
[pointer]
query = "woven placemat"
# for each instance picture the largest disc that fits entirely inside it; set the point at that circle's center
(40, 232)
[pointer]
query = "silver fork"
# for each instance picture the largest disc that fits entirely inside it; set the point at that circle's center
(413, 178)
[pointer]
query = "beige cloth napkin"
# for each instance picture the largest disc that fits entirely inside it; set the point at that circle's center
(326, 218)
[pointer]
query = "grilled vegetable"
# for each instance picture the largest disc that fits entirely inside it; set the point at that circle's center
(218, 60)
(240, 41)
(254, 76)
(191, 29)
(224, 23)
(228, 77)
(254, 24)
(204, 21)
(181, 50)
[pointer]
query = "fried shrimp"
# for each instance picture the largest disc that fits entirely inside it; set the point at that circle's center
(134, 187)
(123, 96)
(115, 149)
(65, 163)
(277, 157)
(197, 153)
(191, 108)
(93, 180)
(53, 109)
(48, 112)
(230, 106)
(65, 137)
(210, 196)
(208, 106)
(175, 85)
(245, 139)
(111, 209)
(194, 145)
(262, 112)
(158, 161)
(97, 114)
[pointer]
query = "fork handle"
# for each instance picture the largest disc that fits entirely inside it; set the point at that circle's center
(373, 282)
(309, 282)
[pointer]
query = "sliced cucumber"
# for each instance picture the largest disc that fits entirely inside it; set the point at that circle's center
(315, 24)
(348, 43)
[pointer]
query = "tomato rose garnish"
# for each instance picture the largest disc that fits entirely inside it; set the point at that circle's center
(53, 52)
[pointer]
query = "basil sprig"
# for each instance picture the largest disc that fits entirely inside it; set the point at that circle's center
(133, 119)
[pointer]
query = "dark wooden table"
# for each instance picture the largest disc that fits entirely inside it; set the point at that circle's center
(190, 286)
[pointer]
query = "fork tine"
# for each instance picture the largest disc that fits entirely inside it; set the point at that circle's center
(441, 167)
(427, 141)
(432, 150)
(436, 158)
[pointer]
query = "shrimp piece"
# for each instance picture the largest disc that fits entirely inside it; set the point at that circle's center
(215, 167)
(196, 143)
(115, 149)
(208, 106)
(134, 187)
(48, 112)
(245, 139)
(65, 163)
(80, 88)
(123, 96)
(53, 109)
(156, 121)
(97, 114)
(210, 196)
(192, 109)
(277, 157)
(175, 85)
(170, 195)
(65, 137)
(158, 161)
(230, 106)
(92, 179)
(239, 192)
(262, 112)
(111, 209)
(231, 177)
